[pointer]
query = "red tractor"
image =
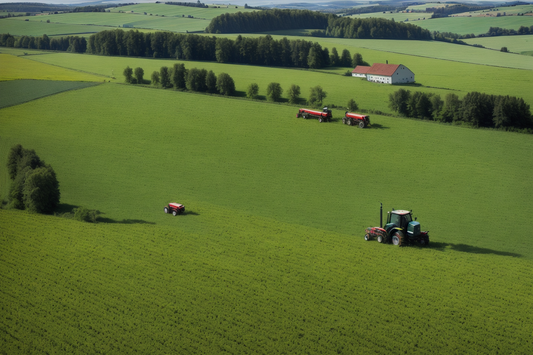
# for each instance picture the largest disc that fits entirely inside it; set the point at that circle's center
(399, 230)
(175, 208)
(323, 116)
(352, 119)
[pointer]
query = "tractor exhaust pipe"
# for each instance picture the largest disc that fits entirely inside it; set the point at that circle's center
(381, 215)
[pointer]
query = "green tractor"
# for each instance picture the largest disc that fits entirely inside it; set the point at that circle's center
(400, 229)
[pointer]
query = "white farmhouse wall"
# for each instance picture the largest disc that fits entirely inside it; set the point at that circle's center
(359, 75)
(403, 75)
(379, 78)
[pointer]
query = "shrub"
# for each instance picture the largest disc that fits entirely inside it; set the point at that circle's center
(85, 215)
(225, 84)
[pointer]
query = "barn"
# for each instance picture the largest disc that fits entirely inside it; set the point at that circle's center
(385, 73)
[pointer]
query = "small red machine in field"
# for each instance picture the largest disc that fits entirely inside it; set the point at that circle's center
(352, 119)
(323, 116)
(175, 208)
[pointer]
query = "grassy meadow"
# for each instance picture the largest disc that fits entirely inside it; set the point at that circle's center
(269, 257)
(476, 25)
(514, 44)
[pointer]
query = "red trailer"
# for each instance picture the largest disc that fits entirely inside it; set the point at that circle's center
(352, 119)
(323, 116)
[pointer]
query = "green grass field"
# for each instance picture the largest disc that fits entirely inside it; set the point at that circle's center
(269, 257)
(475, 25)
(514, 44)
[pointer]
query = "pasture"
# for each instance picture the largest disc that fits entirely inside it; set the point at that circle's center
(437, 76)
(514, 44)
(16, 26)
(269, 257)
(476, 25)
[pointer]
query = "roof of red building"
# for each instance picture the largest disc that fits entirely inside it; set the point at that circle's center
(361, 69)
(383, 69)
(376, 69)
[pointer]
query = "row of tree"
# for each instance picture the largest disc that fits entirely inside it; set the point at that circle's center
(66, 44)
(178, 77)
(477, 109)
(201, 80)
(256, 51)
(444, 11)
(34, 184)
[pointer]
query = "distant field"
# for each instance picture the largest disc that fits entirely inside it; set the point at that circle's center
(475, 25)
(514, 44)
(15, 92)
(508, 10)
(177, 24)
(14, 68)
(178, 11)
(396, 16)
(36, 28)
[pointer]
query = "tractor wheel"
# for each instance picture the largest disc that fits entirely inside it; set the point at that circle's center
(362, 124)
(166, 209)
(174, 213)
(344, 120)
(320, 119)
(380, 239)
(398, 239)
(350, 122)
(367, 237)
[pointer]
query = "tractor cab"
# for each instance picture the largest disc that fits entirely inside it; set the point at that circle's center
(402, 219)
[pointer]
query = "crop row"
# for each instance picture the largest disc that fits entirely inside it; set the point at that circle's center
(81, 288)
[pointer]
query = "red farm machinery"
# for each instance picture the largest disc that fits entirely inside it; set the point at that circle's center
(353, 119)
(174, 208)
(400, 229)
(323, 116)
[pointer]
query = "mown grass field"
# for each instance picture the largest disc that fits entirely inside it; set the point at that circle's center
(178, 11)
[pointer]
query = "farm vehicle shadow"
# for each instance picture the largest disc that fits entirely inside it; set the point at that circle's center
(470, 249)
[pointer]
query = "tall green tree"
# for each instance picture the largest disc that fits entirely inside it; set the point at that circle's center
(179, 76)
(316, 95)
(41, 190)
(334, 58)
(164, 77)
(274, 92)
(128, 74)
(211, 81)
(252, 91)
(294, 94)
(352, 105)
(225, 84)
(139, 74)
(398, 101)
(346, 58)
(155, 78)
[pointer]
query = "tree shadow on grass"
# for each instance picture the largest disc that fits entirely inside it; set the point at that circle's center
(470, 249)
(65, 208)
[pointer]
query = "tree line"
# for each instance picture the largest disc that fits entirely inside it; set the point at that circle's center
(476, 109)
(243, 50)
(66, 44)
(201, 80)
(454, 9)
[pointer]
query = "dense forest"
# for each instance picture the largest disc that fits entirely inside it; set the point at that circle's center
(454, 9)
(332, 25)
(269, 20)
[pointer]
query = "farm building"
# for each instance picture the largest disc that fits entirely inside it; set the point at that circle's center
(385, 73)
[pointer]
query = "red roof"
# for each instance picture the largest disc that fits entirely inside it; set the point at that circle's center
(361, 69)
(376, 69)
(383, 69)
